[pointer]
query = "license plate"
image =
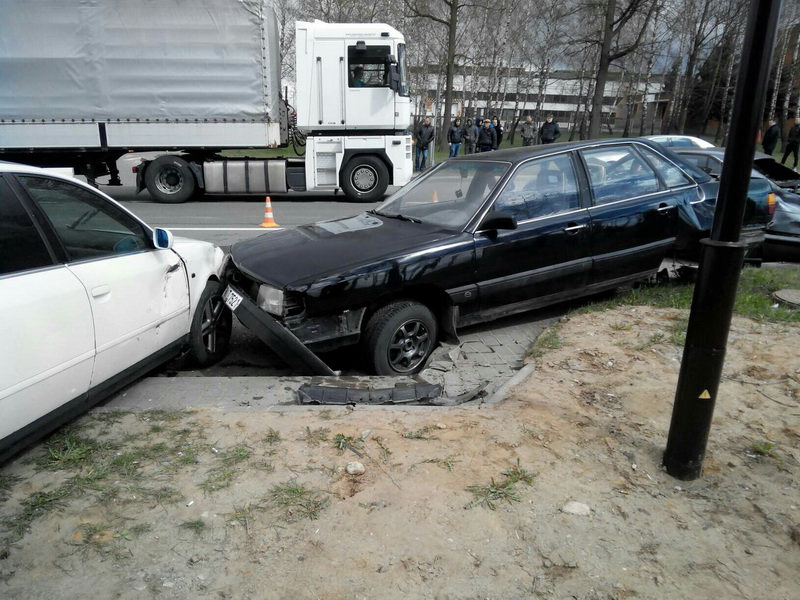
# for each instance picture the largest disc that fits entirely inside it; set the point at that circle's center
(231, 299)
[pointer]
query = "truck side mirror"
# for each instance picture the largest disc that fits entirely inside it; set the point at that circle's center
(394, 77)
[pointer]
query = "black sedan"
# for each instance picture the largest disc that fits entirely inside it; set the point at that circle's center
(476, 238)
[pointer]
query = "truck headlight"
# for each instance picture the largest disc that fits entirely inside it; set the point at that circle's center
(270, 299)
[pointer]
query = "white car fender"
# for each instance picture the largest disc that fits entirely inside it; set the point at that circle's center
(203, 261)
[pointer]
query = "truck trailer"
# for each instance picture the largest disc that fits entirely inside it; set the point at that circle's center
(85, 82)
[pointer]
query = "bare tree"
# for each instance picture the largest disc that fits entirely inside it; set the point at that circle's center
(613, 42)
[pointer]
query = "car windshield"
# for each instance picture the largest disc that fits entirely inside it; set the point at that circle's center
(447, 196)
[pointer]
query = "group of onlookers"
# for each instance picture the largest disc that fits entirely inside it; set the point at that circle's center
(482, 135)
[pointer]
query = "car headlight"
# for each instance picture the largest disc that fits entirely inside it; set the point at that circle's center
(270, 299)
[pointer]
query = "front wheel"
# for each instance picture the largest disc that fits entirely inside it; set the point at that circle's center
(210, 334)
(365, 179)
(400, 337)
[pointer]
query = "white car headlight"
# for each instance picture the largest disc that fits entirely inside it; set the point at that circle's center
(270, 299)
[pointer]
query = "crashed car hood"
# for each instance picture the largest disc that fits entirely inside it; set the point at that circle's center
(294, 257)
(780, 174)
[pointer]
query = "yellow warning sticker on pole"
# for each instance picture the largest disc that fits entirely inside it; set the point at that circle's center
(705, 395)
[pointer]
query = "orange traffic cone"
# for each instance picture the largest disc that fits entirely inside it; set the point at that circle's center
(435, 196)
(268, 220)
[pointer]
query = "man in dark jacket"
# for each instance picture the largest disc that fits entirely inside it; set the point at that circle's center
(470, 137)
(454, 137)
(549, 131)
(770, 138)
(792, 143)
(528, 131)
(487, 137)
(423, 137)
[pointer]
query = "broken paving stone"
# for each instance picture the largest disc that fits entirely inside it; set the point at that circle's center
(356, 468)
(576, 508)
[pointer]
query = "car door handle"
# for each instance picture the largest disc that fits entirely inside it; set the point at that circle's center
(574, 228)
(101, 290)
(173, 268)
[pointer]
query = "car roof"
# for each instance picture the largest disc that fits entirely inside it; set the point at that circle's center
(521, 153)
(698, 142)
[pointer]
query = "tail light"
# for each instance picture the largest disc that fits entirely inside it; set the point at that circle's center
(771, 203)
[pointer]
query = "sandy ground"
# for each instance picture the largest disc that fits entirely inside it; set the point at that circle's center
(556, 492)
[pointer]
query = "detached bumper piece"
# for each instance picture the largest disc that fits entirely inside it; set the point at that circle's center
(423, 393)
(273, 334)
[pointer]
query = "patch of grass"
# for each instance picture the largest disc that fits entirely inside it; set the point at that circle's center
(108, 418)
(344, 442)
(314, 437)
(7, 482)
(489, 494)
(765, 448)
(516, 474)
(325, 414)
(753, 297)
(217, 479)
(91, 479)
(621, 326)
(549, 339)
(35, 506)
(69, 450)
(297, 501)
(154, 416)
(273, 437)
(237, 454)
(420, 434)
(446, 463)
(196, 526)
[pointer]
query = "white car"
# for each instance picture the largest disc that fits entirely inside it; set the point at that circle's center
(679, 141)
(91, 298)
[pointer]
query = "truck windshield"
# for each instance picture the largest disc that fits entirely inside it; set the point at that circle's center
(448, 196)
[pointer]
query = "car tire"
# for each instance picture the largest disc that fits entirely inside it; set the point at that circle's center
(210, 333)
(400, 337)
(170, 180)
(365, 179)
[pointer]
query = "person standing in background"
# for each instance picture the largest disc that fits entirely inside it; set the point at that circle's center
(549, 131)
(792, 143)
(470, 137)
(498, 130)
(454, 137)
(528, 131)
(423, 136)
(770, 139)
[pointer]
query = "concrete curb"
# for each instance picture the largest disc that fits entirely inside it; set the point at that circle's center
(503, 391)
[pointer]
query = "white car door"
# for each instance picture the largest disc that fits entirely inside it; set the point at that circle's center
(139, 295)
(47, 348)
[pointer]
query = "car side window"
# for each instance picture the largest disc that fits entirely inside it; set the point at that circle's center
(21, 246)
(88, 226)
(539, 188)
(673, 177)
(617, 173)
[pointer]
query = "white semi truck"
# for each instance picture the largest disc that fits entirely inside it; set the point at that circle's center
(83, 82)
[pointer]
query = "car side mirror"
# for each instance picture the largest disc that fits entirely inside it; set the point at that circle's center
(162, 238)
(498, 220)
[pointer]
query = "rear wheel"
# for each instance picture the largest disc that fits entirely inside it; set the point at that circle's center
(170, 180)
(400, 337)
(210, 334)
(365, 179)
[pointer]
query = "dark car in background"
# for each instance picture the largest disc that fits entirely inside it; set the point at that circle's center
(782, 233)
(476, 238)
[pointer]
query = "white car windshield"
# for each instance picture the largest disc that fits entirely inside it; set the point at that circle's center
(448, 196)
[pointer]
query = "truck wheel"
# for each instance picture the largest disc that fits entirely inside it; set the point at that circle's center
(169, 179)
(365, 178)
(210, 334)
(400, 337)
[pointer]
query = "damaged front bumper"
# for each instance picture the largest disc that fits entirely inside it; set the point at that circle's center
(274, 334)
